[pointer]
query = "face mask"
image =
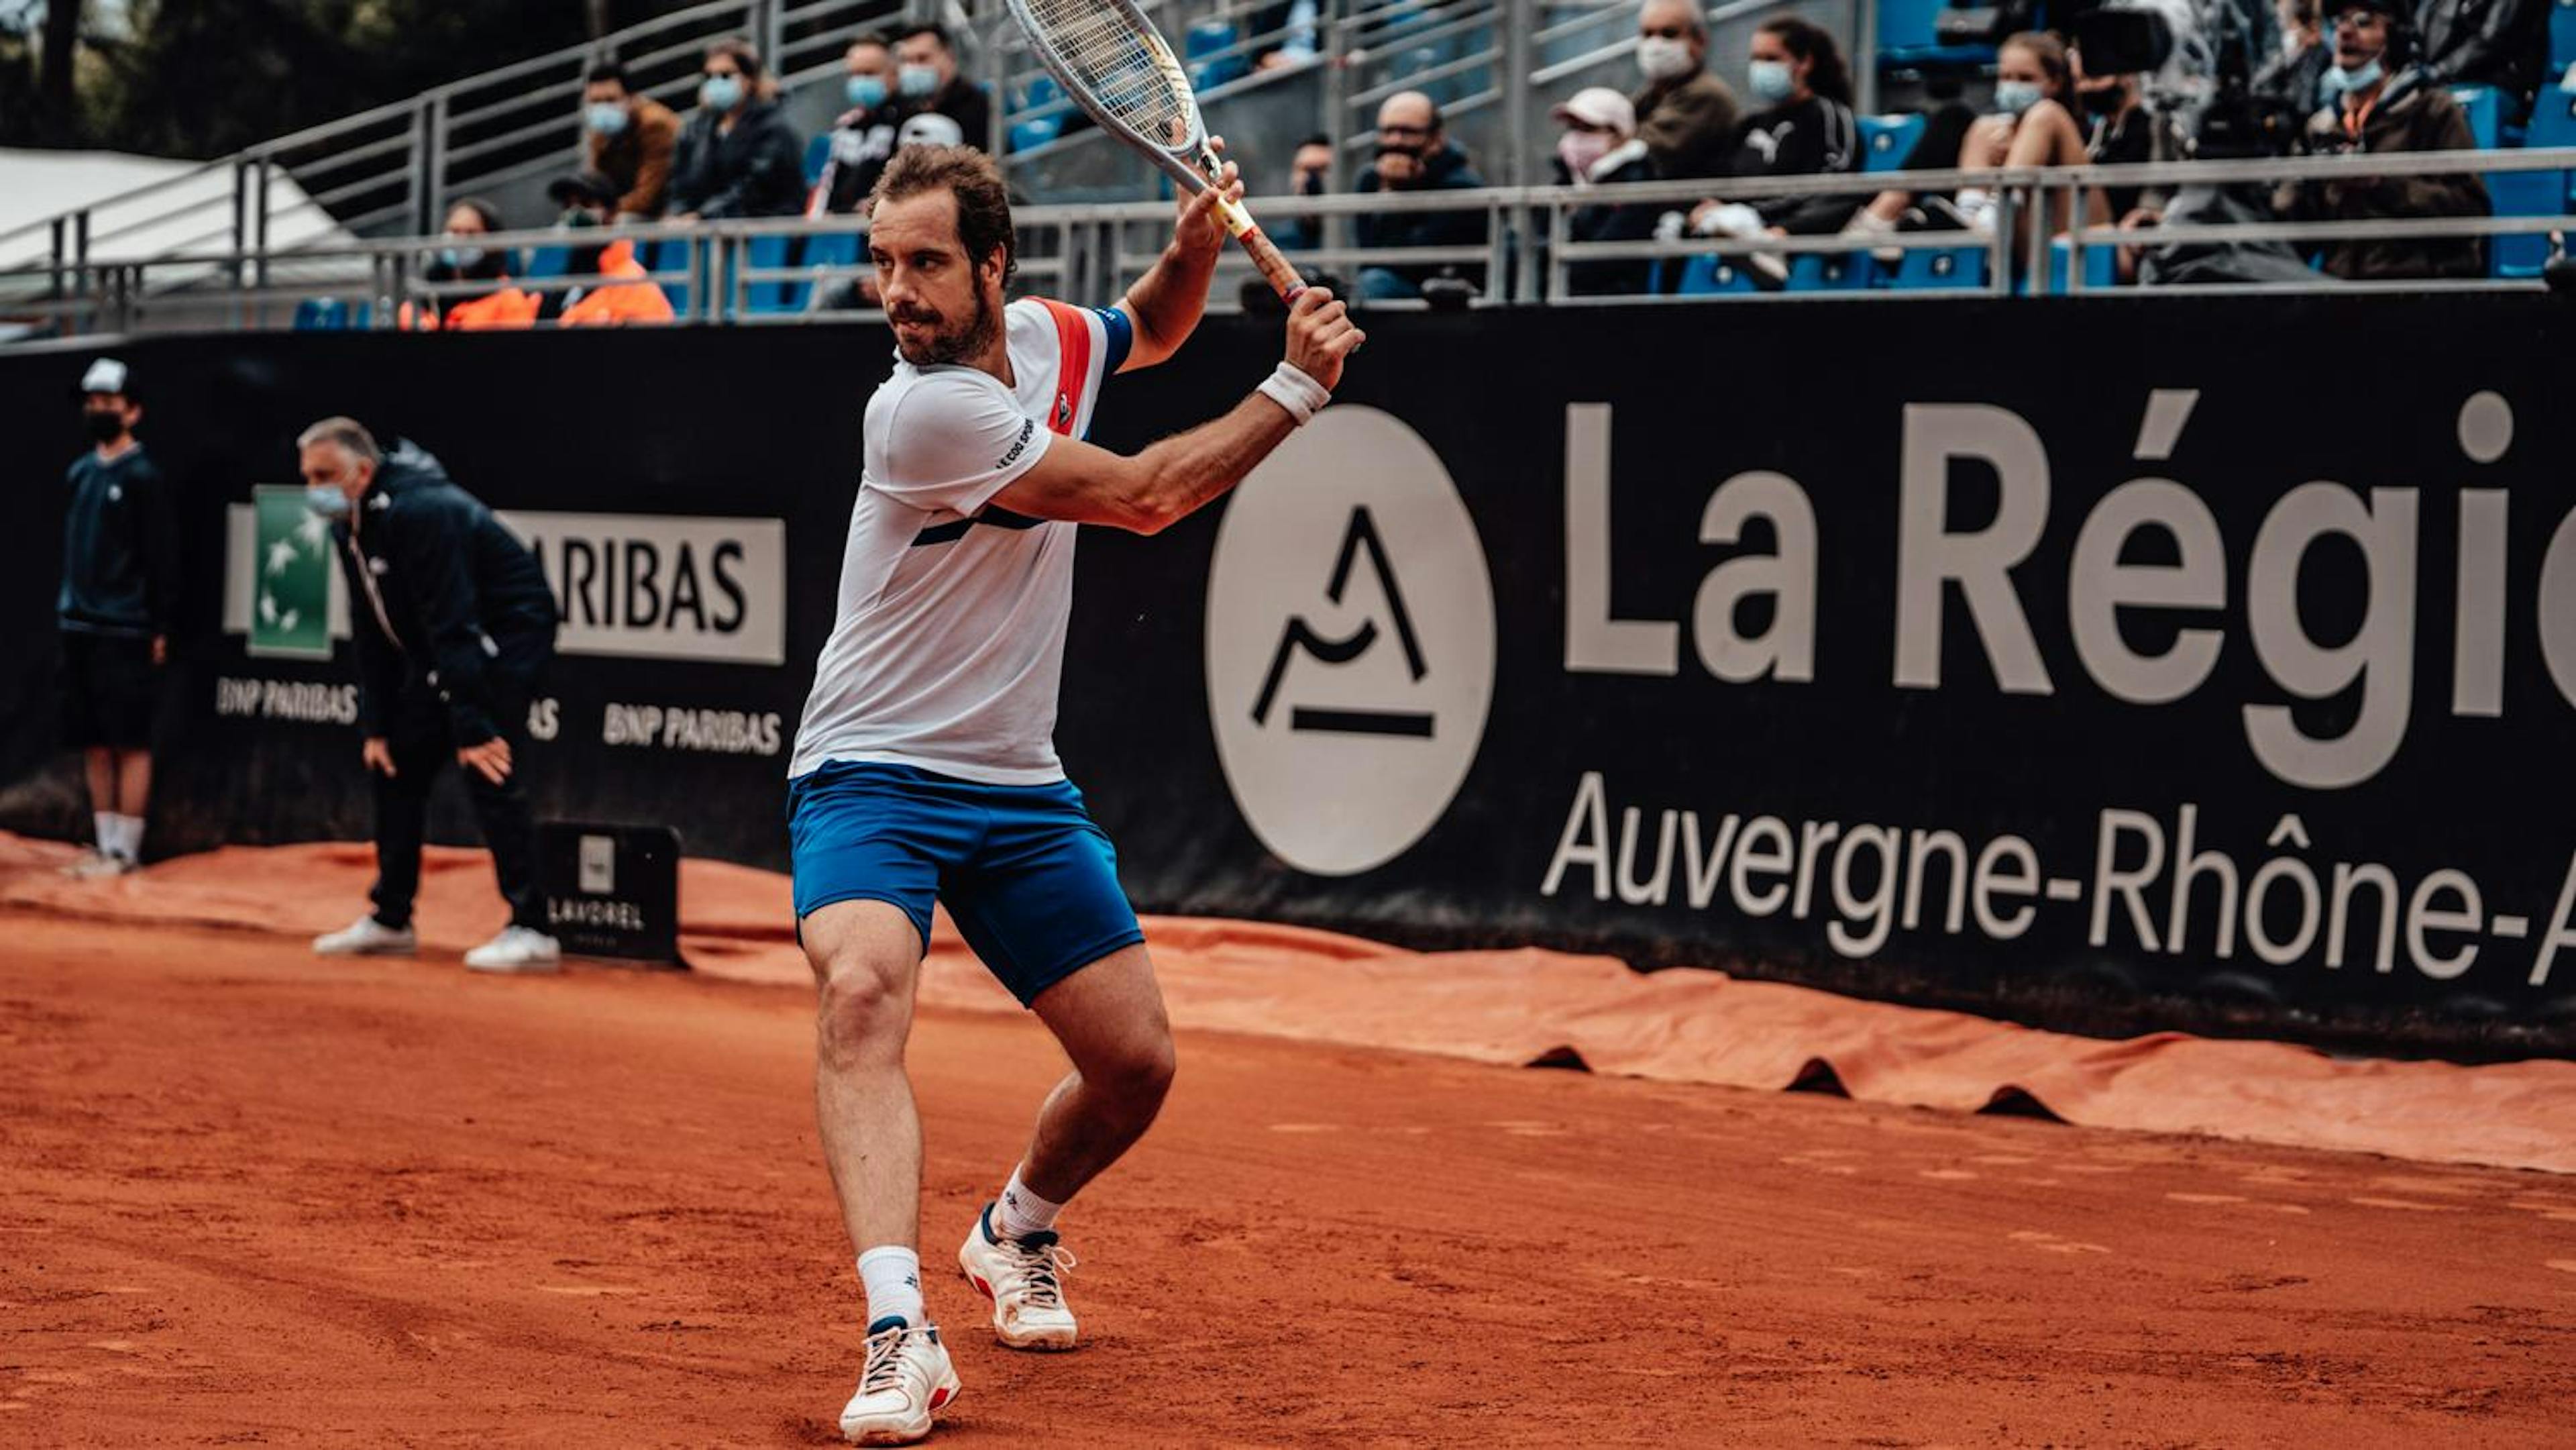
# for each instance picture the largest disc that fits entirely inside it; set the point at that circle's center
(105, 427)
(326, 500)
(604, 118)
(720, 93)
(577, 217)
(2015, 97)
(1580, 150)
(462, 259)
(2339, 81)
(1663, 58)
(918, 80)
(865, 92)
(1770, 81)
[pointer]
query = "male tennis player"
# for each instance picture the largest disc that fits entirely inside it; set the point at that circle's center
(925, 767)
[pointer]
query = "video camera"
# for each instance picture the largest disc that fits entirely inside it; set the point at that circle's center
(2236, 121)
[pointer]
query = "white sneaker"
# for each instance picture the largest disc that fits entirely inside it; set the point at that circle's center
(368, 937)
(99, 866)
(907, 1380)
(516, 949)
(1020, 1276)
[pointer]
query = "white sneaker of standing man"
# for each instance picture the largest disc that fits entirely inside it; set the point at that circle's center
(368, 937)
(516, 949)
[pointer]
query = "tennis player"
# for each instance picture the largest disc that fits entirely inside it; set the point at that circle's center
(925, 768)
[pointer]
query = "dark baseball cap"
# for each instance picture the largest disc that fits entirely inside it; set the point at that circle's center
(581, 186)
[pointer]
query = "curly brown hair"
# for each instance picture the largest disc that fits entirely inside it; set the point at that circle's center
(983, 202)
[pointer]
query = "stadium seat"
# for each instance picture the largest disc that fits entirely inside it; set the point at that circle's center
(325, 314)
(668, 261)
(763, 254)
(1940, 269)
(1029, 135)
(818, 153)
(2101, 268)
(545, 262)
(2523, 193)
(1829, 272)
(1889, 140)
(2562, 38)
(2553, 125)
(2486, 114)
(1206, 38)
(1702, 276)
(1906, 26)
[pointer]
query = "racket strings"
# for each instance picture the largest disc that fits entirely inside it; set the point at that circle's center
(1120, 67)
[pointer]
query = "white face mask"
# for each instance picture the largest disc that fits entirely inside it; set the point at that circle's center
(1662, 58)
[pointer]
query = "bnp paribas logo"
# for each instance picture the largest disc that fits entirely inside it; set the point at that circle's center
(290, 614)
(1350, 643)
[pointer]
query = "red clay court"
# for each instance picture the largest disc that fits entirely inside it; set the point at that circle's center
(256, 1198)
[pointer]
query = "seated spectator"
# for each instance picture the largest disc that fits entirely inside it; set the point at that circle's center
(496, 304)
(1414, 154)
(1310, 173)
(2291, 79)
(1685, 116)
(926, 78)
(1806, 129)
(2377, 113)
(864, 136)
(2499, 43)
(738, 156)
(852, 294)
(1297, 24)
(1600, 147)
(629, 138)
(589, 200)
(2033, 120)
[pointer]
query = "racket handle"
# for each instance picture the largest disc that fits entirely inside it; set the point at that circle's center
(1275, 269)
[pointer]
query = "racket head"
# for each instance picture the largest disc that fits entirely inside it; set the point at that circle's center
(1116, 66)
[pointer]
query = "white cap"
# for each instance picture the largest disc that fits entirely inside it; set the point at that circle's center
(1599, 106)
(930, 129)
(106, 375)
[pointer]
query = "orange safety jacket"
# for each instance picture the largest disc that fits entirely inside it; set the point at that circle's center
(615, 304)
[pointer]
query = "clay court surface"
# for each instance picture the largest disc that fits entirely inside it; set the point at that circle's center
(248, 1197)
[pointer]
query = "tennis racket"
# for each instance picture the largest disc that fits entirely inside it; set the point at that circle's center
(1112, 62)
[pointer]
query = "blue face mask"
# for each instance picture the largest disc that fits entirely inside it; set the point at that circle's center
(866, 92)
(720, 93)
(2338, 81)
(1770, 81)
(918, 80)
(604, 118)
(2014, 97)
(461, 258)
(326, 500)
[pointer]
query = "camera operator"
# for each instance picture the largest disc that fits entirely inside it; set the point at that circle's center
(2378, 105)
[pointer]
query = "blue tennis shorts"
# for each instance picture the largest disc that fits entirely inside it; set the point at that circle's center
(1030, 881)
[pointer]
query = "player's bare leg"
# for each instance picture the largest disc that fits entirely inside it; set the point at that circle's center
(866, 957)
(1109, 1018)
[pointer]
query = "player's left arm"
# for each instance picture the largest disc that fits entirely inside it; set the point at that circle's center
(1164, 306)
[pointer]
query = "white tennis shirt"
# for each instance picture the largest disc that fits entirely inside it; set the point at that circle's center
(948, 647)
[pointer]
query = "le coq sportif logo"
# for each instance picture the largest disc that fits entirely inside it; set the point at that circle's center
(1350, 643)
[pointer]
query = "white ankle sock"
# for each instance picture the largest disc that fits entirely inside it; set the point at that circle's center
(129, 837)
(103, 825)
(1019, 1212)
(892, 1275)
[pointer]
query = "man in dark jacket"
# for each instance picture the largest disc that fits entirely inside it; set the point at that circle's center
(2499, 43)
(2380, 110)
(927, 79)
(1685, 116)
(865, 135)
(738, 156)
(454, 627)
(1414, 154)
(117, 610)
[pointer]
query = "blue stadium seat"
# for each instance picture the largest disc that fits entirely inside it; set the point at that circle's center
(763, 254)
(1207, 38)
(817, 152)
(1888, 140)
(2553, 120)
(2562, 40)
(2523, 193)
(1029, 135)
(324, 314)
(1829, 272)
(2101, 268)
(2486, 114)
(545, 262)
(1941, 269)
(1702, 276)
(1907, 25)
(668, 261)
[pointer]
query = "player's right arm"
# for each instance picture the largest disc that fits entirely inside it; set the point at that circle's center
(1169, 481)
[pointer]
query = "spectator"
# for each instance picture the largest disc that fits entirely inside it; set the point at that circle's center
(2034, 116)
(2374, 113)
(738, 157)
(1806, 129)
(852, 294)
(1414, 154)
(2293, 78)
(2499, 43)
(927, 79)
(589, 200)
(1600, 147)
(630, 141)
(454, 628)
(864, 136)
(116, 612)
(1299, 27)
(1685, 115)
(487, 300)
(1310, 173)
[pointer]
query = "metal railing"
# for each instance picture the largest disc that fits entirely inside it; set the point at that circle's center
(776, 271)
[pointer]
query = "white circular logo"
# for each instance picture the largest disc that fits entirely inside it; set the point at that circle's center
(1350, 643)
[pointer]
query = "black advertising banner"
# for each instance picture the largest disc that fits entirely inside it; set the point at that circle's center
(2084, 661)
(612, 891)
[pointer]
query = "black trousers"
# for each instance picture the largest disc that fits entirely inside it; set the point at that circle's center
(417, 733)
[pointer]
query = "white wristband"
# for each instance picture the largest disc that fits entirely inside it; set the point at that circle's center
(1291, 389)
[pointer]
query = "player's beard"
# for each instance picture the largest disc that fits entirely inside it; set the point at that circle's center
(950, 345)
